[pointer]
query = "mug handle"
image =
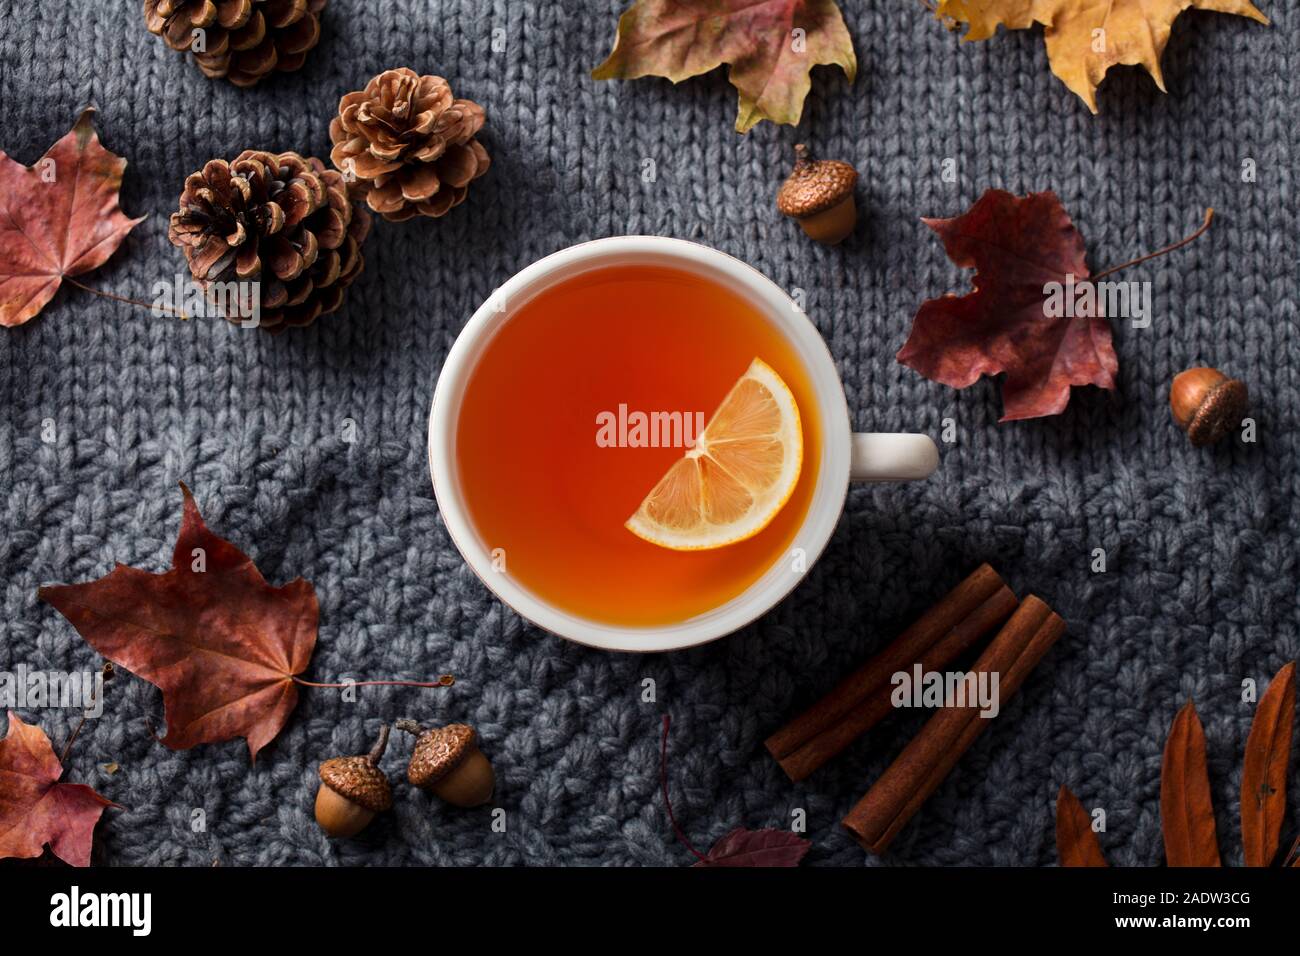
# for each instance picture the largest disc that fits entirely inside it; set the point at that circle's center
(892, 457)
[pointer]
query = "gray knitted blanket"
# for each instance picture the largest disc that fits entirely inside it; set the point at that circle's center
(1200, 587)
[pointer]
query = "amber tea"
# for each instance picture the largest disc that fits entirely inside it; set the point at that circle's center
(577, 407)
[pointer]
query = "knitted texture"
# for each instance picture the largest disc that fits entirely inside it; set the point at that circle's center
(1200, 587)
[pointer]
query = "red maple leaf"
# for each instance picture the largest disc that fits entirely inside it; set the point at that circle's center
(58, 218)
(35, 809)
(1017, 245)
(222, 644)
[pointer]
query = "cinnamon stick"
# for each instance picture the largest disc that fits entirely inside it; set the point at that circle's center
(927, 760)
(969, 612)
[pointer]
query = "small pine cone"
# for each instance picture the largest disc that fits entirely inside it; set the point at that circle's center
(243, 40)
(409, 144)
(283, 221)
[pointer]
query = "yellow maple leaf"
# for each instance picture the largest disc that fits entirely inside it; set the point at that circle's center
(1085, 38)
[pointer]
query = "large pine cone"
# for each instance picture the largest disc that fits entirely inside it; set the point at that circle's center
(243, 39)
(284, 221)
(409, 144)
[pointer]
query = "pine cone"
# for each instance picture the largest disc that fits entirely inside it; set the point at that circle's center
(283, 221)
(243, 40)
(409, 144)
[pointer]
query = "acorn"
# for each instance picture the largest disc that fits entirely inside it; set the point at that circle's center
(353, 790)
(819, 194)
(1207, 404)
(448, 763)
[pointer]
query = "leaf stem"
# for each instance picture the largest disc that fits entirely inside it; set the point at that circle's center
(663, 779)
(1209, 218)
(68, 746)
(446, 680)
(107, 672)
(182, 314)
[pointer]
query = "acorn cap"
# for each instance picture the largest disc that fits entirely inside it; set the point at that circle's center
(359, 780)
(438, 752)
(814, 185)
(1220, 412)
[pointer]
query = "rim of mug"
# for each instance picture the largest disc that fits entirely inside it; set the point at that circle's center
(762, 594)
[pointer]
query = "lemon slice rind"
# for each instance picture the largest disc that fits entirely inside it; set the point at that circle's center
(739, 475)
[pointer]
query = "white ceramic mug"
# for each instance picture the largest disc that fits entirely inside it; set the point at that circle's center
(845, 456)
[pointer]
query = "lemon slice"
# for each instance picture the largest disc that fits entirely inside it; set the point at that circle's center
(740, 473)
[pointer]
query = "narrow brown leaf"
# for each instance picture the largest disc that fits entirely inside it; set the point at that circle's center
(1292, 857)
(1263, 778)
(1186, 812)
(1076, 843)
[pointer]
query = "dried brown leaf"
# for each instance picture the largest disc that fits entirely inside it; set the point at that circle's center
(1186, 811)
(1263, 778)
(1076, 843)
